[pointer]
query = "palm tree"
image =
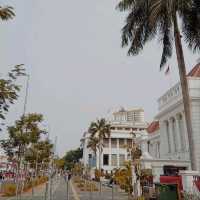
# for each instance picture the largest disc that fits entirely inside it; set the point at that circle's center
(6, 13)
(99, 130)
(150, 18)
(93, 144)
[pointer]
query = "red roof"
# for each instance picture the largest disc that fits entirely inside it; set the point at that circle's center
(154, 126)
(195, 72)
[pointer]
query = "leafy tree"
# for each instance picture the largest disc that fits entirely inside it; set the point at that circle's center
(9, 89)
(26, 131)
(73, 157)
(38, 154)
(60, 163)
(150, 18)
(99, 130)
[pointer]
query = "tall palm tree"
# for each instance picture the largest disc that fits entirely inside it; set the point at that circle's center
(93, 144)
(99, 130)
(6, 13)
(150, 18)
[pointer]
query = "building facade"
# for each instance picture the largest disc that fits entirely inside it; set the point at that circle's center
(124, 125)
(167, 139)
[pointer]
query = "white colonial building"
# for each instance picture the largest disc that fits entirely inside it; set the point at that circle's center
(123, 124)
(166, 140)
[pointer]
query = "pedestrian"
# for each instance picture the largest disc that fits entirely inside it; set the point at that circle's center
(69, 176)
(65, 176)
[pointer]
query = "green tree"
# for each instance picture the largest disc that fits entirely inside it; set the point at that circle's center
(99, 130)
(26, 131)
(150, 18)
(9, 89)
(60, 163)
(39, 154)
(93, 144)
(73, 157)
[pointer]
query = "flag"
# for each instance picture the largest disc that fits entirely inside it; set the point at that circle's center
(167, 70)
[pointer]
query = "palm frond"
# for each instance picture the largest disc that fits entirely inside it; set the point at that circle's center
(167, 38)
(191, 26)
(125, 5)
(6, 13)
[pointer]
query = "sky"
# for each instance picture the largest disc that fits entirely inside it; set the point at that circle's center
(78, 70)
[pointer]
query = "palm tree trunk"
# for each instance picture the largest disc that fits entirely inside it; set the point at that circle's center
(185, 91)
(100, 152)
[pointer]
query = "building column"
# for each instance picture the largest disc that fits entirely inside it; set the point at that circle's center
(178, 132)
(126, 145)
(164, 138)
(171, 136)
(117, 152)
(110, 152)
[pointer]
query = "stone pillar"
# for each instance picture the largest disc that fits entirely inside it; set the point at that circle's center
(164, 139)
(178, 135)
(171, 137)
(110, 152)
(117, 152)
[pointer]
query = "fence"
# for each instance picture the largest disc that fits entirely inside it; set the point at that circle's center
(43, 191)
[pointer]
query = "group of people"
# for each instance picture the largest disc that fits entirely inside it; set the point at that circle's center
(6, 175)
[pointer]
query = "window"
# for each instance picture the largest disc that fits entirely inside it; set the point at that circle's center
(113, 142)
(105, 159)
(106, 142)
(121, 160)
(121, 143)
(90, 159)
(114, 160)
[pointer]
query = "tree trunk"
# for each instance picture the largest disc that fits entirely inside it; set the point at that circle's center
(185, 92)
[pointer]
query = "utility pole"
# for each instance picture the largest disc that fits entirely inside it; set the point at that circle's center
(26, 94)
(22, 149)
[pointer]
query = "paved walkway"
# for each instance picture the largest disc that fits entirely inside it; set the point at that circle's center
(107, 193)
(60, 188)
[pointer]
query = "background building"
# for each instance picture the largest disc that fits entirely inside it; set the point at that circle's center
(124, 125)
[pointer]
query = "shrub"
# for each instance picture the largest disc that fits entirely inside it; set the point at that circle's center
(10, 189)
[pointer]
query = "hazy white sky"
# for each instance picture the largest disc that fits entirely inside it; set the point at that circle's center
(78, 70)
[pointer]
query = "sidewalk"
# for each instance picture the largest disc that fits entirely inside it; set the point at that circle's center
(107, 193)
